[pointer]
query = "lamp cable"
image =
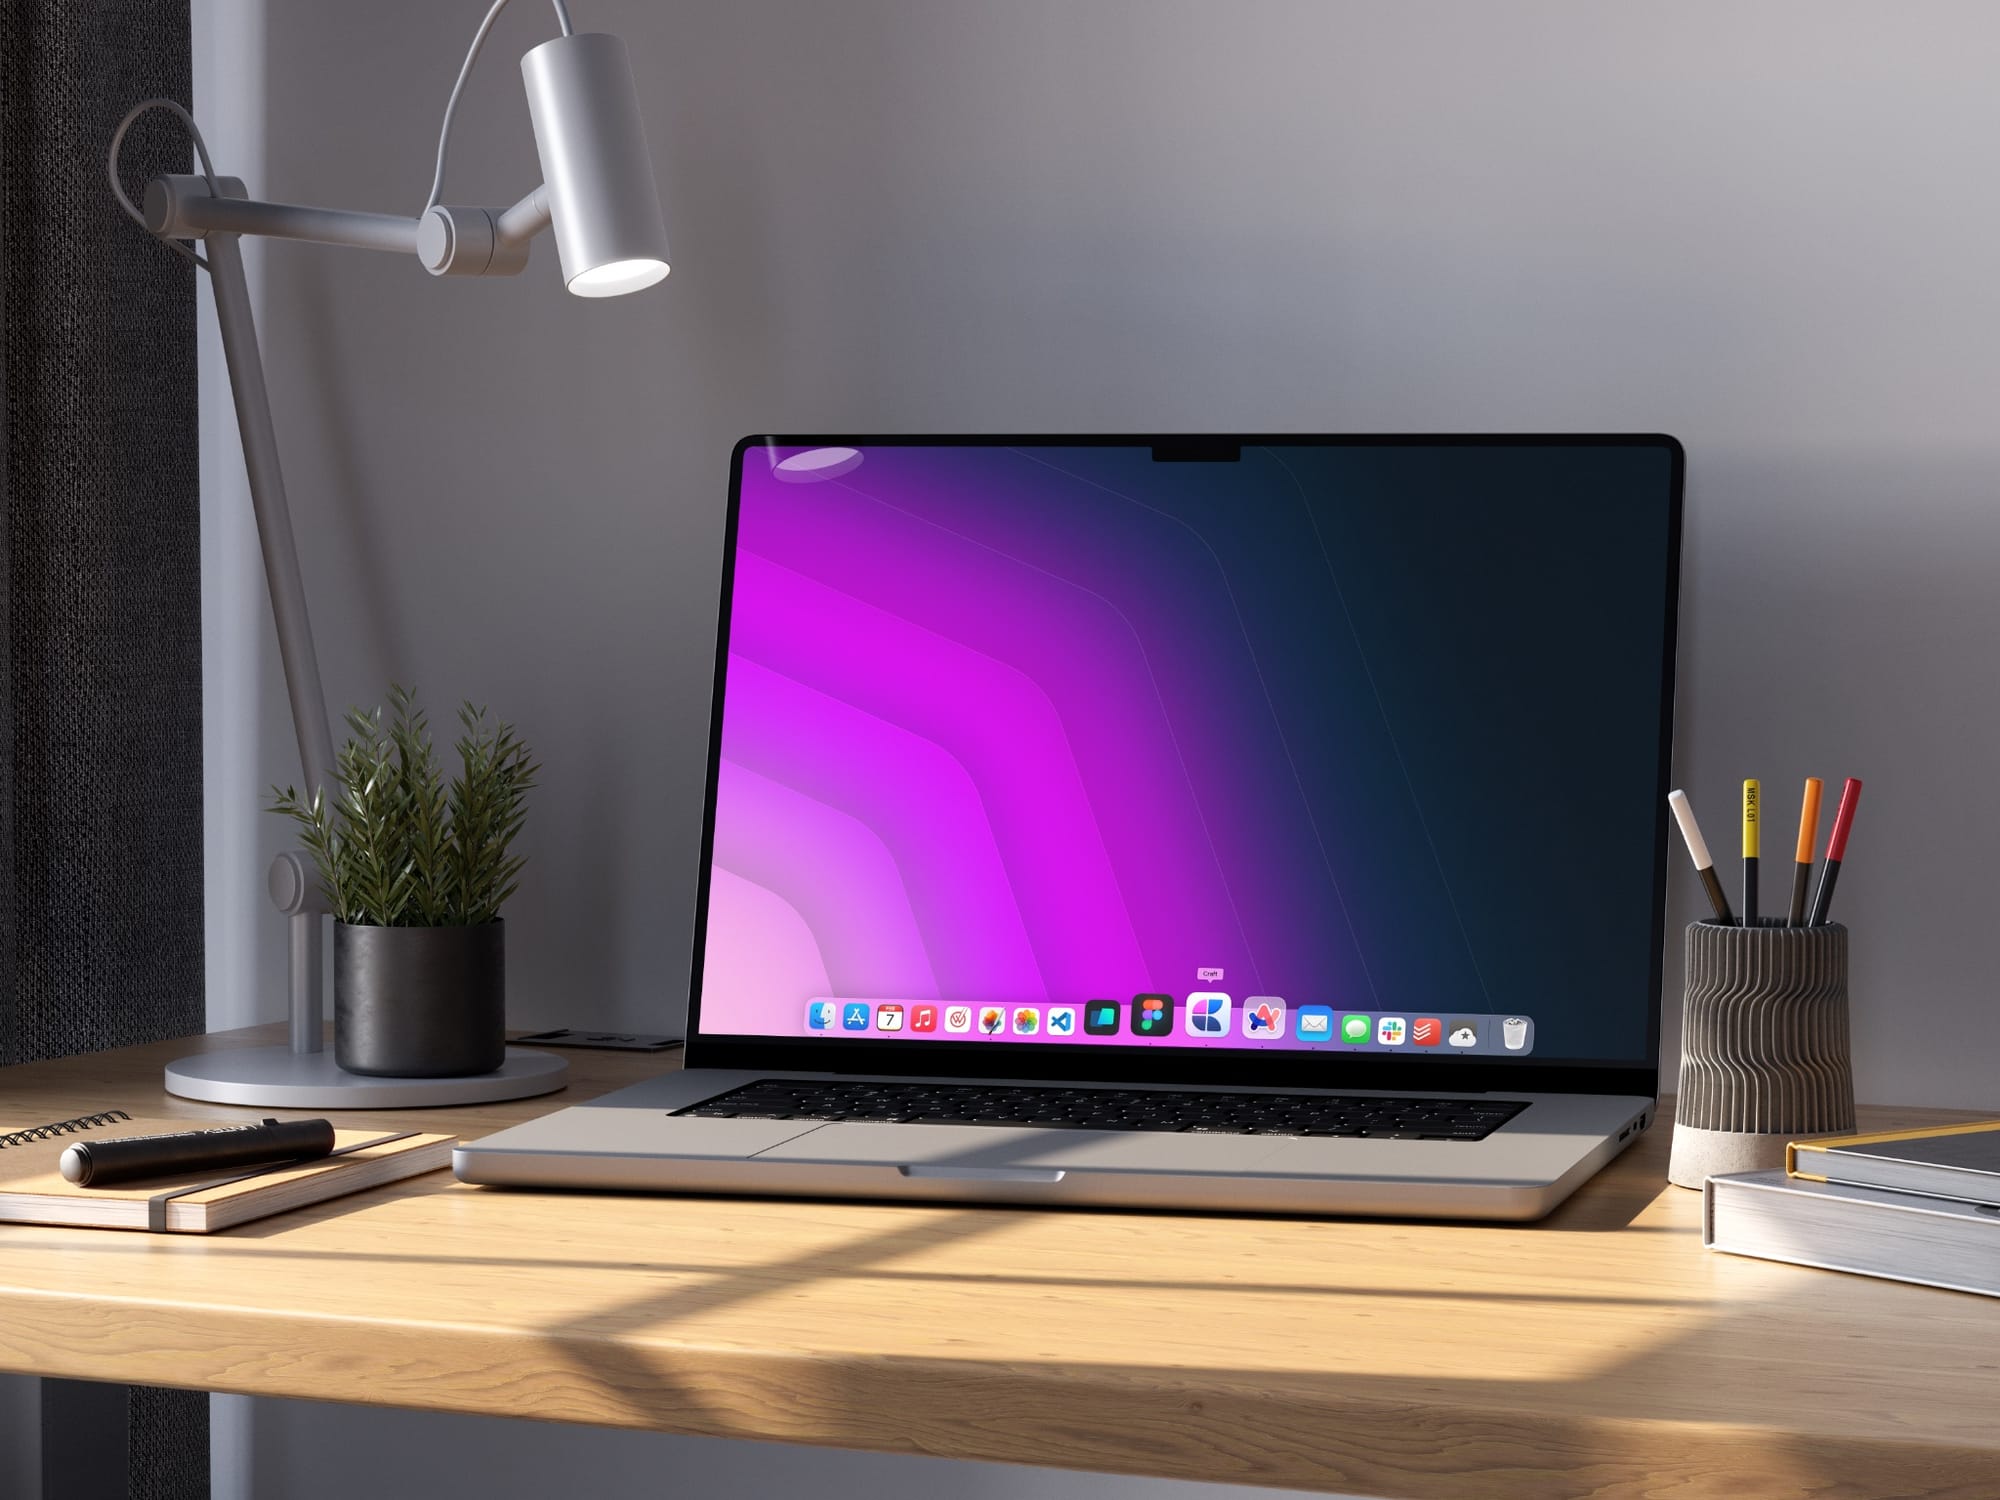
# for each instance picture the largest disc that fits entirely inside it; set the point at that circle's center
(458, 88)
(137, 216)
(118, 188)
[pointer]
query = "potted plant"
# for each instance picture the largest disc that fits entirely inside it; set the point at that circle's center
(416, 872)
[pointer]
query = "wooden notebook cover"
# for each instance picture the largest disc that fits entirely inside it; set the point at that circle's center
(33, 1190)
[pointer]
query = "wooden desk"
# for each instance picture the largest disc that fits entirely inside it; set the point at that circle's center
(1602, 1353)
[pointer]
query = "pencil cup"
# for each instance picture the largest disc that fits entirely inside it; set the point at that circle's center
(1764, 1056)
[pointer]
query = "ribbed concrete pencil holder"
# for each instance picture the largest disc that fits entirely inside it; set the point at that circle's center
(1764, 1055)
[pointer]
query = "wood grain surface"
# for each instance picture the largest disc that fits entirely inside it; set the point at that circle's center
(1601, 1353)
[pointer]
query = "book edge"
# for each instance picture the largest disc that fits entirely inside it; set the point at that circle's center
(214, 1215)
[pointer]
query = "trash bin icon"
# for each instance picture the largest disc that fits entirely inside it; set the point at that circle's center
(1514, 1033)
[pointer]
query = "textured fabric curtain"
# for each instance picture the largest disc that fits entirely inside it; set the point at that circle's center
(100, 614)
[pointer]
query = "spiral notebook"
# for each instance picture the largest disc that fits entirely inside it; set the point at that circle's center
(33, 1191)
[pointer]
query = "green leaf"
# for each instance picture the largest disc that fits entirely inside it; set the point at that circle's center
(399, 846)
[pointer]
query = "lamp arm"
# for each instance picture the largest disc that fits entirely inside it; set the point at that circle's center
(180, 206)
(526, 219)
(274, 519)
(450, 241)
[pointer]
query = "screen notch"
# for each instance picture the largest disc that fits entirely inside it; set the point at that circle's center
(1196, 450)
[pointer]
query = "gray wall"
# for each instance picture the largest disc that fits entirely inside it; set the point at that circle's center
(1765, 229)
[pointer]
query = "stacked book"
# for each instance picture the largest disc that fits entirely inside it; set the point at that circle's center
(1910, 1205)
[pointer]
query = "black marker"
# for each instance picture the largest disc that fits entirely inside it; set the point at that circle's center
(190, 1153)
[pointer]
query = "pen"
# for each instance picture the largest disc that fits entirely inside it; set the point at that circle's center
(1750, 852)
(1836, 850)
(189, 1153)
(1698, 848)
(1802, 866)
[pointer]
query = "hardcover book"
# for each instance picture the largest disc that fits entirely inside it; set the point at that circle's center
(1898, 1236)
(1943, 1161)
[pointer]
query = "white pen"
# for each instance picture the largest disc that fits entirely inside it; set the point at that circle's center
(1704, 865)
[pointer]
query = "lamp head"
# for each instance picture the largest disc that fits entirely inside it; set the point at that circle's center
(603, 202)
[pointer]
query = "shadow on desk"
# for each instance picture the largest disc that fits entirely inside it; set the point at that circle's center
(1358, 1410)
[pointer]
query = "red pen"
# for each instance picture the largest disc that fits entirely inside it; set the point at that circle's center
(1836, 850)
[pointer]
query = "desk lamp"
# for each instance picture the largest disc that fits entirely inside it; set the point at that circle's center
(598, 193)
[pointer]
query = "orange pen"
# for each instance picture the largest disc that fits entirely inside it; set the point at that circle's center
(1808, 836)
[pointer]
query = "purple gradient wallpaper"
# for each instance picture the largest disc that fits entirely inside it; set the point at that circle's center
(1036, 726)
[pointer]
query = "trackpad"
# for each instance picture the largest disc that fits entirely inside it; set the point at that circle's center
(670, 1135)
(982, 1150)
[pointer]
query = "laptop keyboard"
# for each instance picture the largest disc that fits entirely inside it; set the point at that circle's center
(1399, 1117)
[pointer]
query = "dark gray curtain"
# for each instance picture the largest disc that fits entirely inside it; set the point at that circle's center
(100, 609)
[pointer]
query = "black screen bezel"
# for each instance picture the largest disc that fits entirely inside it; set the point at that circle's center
(1060, 1063)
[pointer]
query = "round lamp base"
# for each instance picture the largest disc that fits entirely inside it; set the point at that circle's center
(280, 1078)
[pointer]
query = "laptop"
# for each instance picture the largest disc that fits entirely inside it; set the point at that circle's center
(1256, 823)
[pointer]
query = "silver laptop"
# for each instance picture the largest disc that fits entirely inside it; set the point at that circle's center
(1265, 823)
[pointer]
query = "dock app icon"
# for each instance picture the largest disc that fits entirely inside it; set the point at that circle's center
(1100, 1018)
(1315, 1023)
(1263, 1017)
(1208, 1015)
(820, 1015)
(1152, 1015)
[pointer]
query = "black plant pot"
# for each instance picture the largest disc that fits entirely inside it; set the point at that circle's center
(420, 1002)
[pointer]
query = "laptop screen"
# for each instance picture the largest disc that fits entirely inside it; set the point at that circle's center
(1325, 748)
